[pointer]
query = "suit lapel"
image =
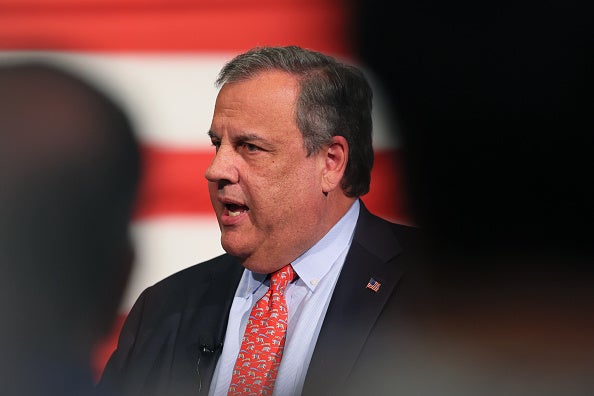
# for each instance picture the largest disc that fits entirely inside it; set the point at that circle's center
(203, 328)
(354, 308)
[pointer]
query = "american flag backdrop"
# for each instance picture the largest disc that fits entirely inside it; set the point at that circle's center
(159, 60)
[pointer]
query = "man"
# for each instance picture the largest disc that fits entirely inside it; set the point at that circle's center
(69, 168)
(292, 133)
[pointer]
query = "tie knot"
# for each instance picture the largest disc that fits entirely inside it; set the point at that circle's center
(281, 278)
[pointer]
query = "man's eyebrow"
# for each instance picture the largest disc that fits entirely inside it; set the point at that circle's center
(242, 137)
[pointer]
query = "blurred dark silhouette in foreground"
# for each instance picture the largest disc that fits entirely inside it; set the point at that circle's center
(69, 168)
(495, 111)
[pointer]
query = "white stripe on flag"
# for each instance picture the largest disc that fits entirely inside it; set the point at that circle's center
(166, 245)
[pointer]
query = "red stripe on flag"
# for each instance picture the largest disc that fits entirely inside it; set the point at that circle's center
(174, 184)
(135, 25)
(387, 196)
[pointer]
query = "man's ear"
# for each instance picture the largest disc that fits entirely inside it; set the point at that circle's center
(336, 156)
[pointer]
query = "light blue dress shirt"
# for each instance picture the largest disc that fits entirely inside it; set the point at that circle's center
(307, 300)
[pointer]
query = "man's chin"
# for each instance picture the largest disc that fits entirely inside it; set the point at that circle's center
(239, 252)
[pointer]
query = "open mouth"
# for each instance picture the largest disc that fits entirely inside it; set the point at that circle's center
(236, 210)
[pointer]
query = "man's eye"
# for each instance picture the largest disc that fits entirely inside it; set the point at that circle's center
(216, 144)
(249, 146)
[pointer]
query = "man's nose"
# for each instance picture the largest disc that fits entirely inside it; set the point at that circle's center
(222, 168)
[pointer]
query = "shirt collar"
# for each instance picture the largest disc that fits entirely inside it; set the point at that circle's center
(316, 262)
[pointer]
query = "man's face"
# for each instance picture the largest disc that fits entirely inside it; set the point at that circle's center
(265, 191)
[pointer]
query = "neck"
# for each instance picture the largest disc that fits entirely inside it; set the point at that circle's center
(337, 205)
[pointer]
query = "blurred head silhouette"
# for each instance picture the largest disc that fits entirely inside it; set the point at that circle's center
(69, 168)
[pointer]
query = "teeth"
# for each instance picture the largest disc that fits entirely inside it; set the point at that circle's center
(233, 214)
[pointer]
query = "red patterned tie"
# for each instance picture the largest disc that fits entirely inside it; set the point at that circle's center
(263, 341)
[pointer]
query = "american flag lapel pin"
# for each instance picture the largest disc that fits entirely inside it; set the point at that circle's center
(373, 285)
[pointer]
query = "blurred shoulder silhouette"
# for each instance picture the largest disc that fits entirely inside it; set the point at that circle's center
(494, 108)
(69, 169)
